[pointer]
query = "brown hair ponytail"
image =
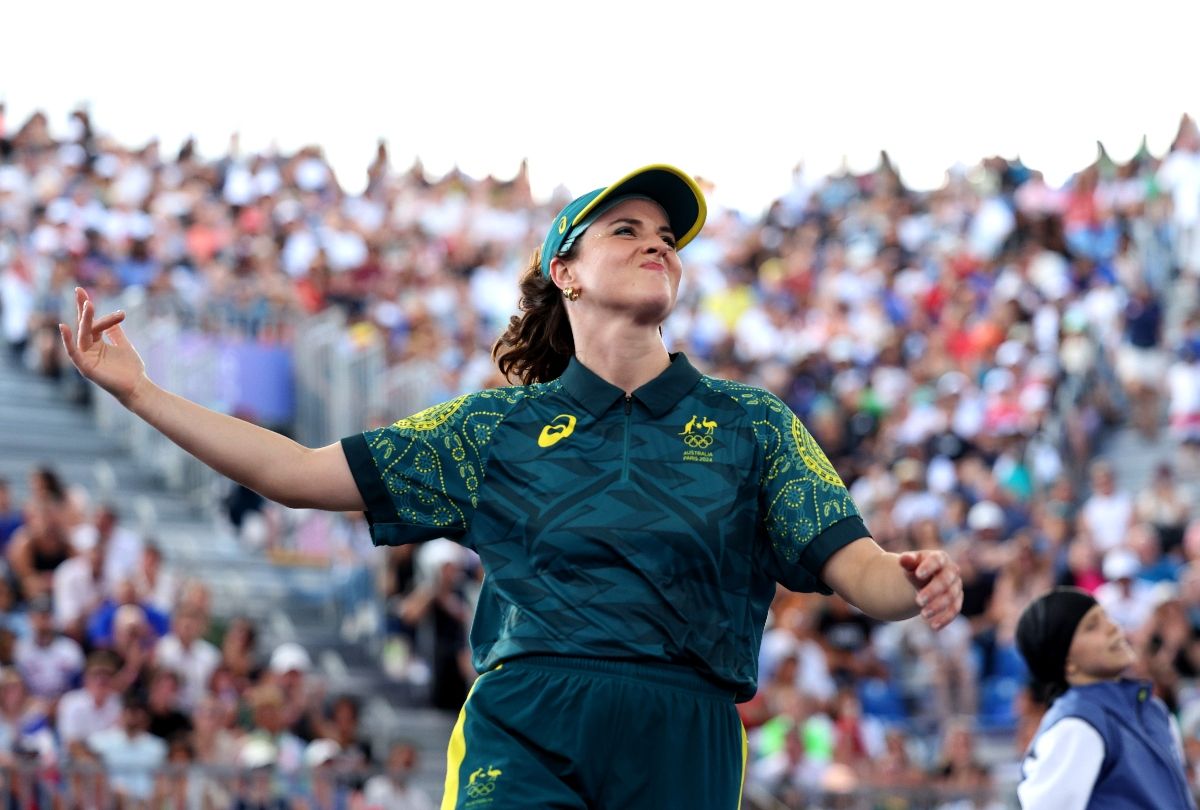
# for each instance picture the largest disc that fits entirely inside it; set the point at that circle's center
(538, 343)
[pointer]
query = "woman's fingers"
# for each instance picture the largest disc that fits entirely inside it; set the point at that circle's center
(84, 337)
(107, 322)
(940, 584)
(940, 599)
(941, 611)
(68, 342)
(81, 299)
(89, 329)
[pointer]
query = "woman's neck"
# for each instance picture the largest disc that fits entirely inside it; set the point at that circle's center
(1087, 678)
(627, 358)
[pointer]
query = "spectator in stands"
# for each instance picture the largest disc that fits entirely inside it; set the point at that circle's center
(185, 652)
(94, 707)
(241, 504)
(958, 769)
(238, 651)
(341, 725)
(436, 605)
(392, 789)
(937, 672)
(1128, 600)
(1026, 575)
(775, 688)
(858, 739)
(1179, 176)
(133, 643)
(25, 730)
(1108, 511)
(1083, 569)
(1165, 505)
(1183, 395)
(216, 743)
(101, 626)
(1164, 649)
(793, 751)
(86, 781)
(122, 546)
(215, 736)
(795, 635)
(269, 730)
(290, 669)
(1141, 364)
(38, 547)
(896, 769)
(180, 786)
(154, 582)
(130, 754)
(79, 588)
(1153, 565)
(325, 787)
(167, 719)
(46, 487)
(49, 663)
(988, 528)
(846, 633)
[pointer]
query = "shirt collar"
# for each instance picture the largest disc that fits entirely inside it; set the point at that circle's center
(659, 395)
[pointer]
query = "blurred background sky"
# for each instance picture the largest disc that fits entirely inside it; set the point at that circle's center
(736, 92)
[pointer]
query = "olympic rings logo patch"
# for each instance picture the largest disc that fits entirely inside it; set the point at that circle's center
(483, 783)
(481, 789)
(697, 436)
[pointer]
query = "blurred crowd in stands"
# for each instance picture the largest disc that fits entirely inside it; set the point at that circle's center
(116, 679)
(960, 354)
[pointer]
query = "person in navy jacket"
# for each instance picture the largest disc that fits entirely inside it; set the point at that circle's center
(1105, 741)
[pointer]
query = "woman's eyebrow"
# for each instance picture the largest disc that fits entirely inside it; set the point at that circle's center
(639, 223)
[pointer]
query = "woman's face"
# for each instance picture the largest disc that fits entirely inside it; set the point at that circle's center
(1099, 650)
(626, 262)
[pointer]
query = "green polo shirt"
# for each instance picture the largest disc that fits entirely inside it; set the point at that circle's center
(649, 527)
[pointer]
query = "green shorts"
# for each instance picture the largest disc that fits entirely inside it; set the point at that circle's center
(589, 734)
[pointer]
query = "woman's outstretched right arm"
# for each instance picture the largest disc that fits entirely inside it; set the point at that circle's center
(270, 464)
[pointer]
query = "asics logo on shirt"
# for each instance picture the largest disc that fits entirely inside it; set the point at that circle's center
(557, 430)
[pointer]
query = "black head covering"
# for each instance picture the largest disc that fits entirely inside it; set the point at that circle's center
(1044, 634)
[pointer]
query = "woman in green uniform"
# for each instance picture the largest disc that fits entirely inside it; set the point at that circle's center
(632, 515)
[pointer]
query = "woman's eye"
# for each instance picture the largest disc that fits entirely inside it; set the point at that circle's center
(670, 240)
(624, 229)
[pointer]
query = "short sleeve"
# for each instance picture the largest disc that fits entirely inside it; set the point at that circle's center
(420, 476)
(807, 511)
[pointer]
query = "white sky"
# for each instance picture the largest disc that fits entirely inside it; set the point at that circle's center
(736, 91)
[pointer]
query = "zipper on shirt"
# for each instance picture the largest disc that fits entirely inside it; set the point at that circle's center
(625, 456)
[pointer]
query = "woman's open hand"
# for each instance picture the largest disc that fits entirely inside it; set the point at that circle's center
(112, 364)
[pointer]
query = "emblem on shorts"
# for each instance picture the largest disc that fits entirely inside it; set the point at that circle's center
(697, 438)
(553, 433)
(481, 785)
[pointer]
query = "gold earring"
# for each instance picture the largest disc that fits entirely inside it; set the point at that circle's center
(571, 294)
